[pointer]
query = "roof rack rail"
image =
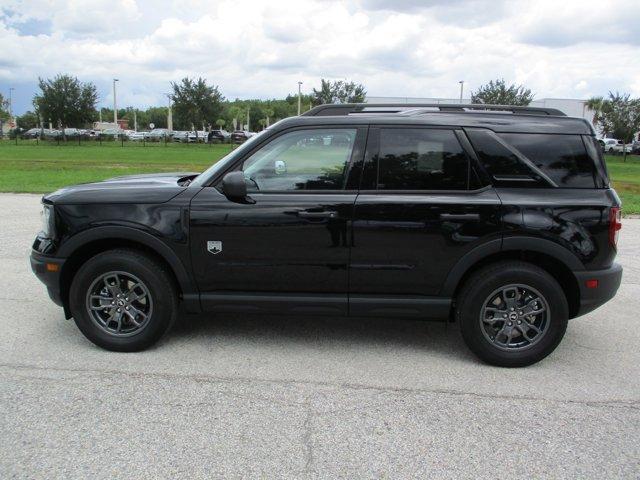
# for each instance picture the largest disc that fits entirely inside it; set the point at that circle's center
(420, 108)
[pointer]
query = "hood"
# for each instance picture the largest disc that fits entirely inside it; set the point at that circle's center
(147, 188)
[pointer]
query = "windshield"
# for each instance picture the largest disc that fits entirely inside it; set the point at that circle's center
(214, 169)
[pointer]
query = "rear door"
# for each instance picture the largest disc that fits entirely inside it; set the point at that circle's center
(421, 208)
(287, 246)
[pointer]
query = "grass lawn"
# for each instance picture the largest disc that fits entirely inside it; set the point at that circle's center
(43, 168)
(626, 180)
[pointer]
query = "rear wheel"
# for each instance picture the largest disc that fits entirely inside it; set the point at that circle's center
(512, 314)
(123, 300)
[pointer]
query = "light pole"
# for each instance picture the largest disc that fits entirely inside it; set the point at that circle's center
(115, 105)
(461, 82)
(11, 89)
(299, 96)
(169, 114)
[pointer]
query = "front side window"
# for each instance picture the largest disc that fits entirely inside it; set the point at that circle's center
(314, 159)
(422, 159)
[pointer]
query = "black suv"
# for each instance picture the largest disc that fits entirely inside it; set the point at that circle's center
(499, 218)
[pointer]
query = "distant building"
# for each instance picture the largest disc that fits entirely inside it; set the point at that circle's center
(122, 124)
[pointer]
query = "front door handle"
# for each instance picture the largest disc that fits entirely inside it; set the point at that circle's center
(459, 216)
(316, 215)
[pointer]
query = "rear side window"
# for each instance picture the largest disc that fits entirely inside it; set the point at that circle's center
(563, 158)
(422, 159)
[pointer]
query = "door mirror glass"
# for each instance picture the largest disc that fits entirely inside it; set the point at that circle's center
(281, 167)
(234, 186)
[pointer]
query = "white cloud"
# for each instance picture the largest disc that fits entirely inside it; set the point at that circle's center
(261, 49)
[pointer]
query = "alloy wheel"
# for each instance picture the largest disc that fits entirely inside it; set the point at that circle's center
(514, 317)
(119, 303)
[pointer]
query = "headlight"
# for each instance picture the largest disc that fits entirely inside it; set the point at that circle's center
(48, 221)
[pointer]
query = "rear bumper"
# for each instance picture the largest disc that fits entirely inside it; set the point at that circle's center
(608, 283)
(50, 276)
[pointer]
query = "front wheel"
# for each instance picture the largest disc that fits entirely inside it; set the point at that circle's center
(512, 314)
(123, 300)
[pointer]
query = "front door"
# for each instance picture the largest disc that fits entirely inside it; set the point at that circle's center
(287, 247)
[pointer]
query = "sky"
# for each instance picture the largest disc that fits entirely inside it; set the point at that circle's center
(261, 49)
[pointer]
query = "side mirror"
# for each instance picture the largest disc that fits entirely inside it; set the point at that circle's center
(234, 186)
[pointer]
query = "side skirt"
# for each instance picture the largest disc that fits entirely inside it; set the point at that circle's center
(434, 308)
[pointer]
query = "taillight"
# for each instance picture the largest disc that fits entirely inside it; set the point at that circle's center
(615, 224)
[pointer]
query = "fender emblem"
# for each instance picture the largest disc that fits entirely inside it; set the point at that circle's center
(214, 246)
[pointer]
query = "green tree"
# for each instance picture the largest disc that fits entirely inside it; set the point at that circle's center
(66, 101)
(497, 92)
(194, 102)
(339, 91)
(618, 115)
(28, 120)
(237, 115)
(221, 122)
(4, 108)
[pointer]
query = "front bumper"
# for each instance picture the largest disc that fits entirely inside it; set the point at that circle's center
(608, 282)
(48, 270)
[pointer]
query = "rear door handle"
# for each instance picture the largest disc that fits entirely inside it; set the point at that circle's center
(326, 214)
(459, 216)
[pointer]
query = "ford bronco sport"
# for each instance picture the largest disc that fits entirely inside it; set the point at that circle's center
(500, 218)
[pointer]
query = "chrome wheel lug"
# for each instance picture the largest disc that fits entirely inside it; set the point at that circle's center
(127, 307)
(519, 322)
(510, 323)
(505, 315)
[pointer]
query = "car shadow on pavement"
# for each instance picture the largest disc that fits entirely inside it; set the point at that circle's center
(434, 337)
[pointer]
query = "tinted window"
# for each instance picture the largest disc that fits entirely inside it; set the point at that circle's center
(421, 159)
(315, 159)
(500, 162)
(563, 158)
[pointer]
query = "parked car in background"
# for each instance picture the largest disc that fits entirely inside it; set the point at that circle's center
(111, 133)
(635, 147)
(615, 146)
(183, 136)
(51, 133)
(136, 136)
(71, 132)
(240, 136)
(31, 133)
(157, 134)
(218, 136)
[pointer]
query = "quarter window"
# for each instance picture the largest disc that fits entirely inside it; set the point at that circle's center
(500, 162)
(421, 159)
(314, 159)
(563, 158)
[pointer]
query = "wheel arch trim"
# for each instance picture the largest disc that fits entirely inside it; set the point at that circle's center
(508, 244)
(76, 242)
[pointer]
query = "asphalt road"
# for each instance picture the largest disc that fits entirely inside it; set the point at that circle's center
(240, 397)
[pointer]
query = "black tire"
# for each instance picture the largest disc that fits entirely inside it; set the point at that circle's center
(159, 286)
(482, 285)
